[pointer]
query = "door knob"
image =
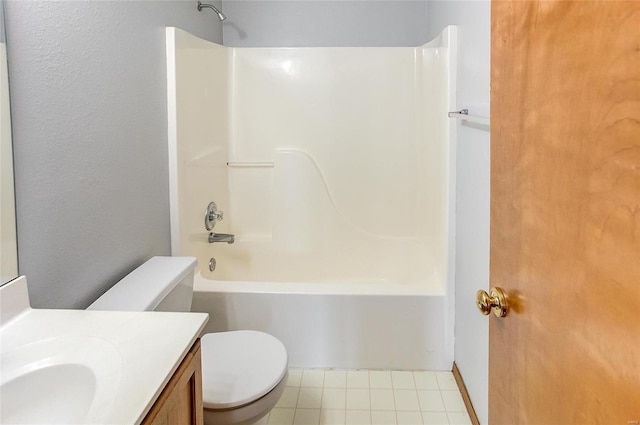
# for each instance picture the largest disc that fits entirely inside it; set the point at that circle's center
(497, 302)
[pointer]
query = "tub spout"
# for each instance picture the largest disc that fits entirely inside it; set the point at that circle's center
(221, 237)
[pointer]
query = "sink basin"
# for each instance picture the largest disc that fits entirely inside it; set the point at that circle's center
(63, 393)
(63, 380)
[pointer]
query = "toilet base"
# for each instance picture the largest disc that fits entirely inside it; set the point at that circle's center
(250, 414)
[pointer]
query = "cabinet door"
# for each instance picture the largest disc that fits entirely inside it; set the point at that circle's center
(180, 403)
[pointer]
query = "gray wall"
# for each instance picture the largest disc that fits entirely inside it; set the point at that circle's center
(266, 23)
(88, 87)
(472, 191)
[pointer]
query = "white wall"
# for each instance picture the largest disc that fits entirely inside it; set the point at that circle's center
(472, 224)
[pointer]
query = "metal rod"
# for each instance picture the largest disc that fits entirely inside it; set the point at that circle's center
(463, 115)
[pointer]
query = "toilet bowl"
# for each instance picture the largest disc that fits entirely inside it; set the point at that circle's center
(245, 376)
(243, 372)
(251, 414)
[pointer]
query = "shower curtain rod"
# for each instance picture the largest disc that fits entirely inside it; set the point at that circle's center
(463, 115)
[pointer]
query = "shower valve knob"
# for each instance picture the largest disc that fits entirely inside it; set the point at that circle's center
(212, 215)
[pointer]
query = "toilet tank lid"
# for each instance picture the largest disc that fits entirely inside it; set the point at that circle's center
(146, 286)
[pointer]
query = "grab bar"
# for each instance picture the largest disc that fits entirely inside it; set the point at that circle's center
(250, 164)
(463, 115)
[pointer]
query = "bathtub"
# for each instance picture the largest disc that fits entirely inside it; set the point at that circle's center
(375, 303)
(335, 324)
(335, 168)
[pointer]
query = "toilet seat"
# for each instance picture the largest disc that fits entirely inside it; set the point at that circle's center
(240, 367)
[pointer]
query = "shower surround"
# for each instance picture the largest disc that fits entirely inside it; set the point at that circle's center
(335, 171)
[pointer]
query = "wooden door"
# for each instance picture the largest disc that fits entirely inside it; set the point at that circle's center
(565, 212)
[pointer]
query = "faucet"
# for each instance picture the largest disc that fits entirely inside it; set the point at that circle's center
(221, 237)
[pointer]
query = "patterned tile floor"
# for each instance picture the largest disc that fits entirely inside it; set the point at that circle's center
(369, 397)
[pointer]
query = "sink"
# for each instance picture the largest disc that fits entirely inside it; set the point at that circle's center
(85, 367)
(63, 380)
(62, 393)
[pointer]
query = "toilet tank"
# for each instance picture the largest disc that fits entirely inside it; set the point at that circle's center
(160, 284)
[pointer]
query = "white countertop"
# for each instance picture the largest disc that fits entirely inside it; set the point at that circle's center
(138, 352)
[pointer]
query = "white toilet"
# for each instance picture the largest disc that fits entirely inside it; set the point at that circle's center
(243, 372)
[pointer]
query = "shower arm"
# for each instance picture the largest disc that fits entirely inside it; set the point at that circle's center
(201, 6)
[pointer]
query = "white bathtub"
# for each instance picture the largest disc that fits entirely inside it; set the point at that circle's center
(375, 303)
(335, 325)
(335, 168)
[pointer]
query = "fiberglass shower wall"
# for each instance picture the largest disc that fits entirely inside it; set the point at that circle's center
(334, 159)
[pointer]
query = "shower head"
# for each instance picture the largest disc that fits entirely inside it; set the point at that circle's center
(201, 6)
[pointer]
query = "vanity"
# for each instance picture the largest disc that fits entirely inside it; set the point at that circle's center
(97, 367)
(181, 399)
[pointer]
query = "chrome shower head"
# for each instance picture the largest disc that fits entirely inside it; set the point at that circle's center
(201, 6)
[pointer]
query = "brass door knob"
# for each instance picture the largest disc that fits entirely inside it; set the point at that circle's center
(497, 302)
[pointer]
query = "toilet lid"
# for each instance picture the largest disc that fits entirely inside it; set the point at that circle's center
(239, 367)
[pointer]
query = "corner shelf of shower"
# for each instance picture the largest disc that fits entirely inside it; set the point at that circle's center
(250, 164)
(464, 115)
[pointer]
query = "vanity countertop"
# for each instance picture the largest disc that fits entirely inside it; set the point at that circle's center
(132, 355)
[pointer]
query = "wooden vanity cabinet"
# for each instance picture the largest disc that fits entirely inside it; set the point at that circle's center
(180, 403)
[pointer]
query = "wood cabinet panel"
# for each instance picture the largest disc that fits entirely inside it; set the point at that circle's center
(180, 403)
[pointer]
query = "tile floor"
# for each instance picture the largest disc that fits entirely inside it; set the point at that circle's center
(371, 397)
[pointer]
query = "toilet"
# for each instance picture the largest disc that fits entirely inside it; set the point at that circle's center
(243, 372)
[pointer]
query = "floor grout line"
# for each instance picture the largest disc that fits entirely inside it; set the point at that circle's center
(338, 388)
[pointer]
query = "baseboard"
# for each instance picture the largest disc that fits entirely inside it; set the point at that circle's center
(465, 395)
